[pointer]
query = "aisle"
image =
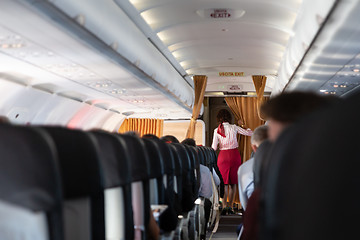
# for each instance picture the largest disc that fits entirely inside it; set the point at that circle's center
(227, 228)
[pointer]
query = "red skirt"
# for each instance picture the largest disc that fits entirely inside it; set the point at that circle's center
(229, 162)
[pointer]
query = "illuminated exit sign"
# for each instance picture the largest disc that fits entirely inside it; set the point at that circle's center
(221, 13)
(231, 74)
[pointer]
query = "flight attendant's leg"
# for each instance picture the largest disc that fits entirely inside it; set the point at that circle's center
(232, 191)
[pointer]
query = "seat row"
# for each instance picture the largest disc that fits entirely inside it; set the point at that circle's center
(57, 183)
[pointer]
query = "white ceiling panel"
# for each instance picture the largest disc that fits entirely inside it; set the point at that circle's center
(254, 40)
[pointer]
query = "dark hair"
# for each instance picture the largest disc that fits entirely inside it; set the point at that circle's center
(223, 116)
(189, 141)
(170, 139)
(150, 136)
(289, 107)
(4, 119)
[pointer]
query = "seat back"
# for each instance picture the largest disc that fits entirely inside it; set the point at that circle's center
(309, 164)
(82, 182)
(187, 200)
(201, 155)
(140, 175)
(178, 172)
(169, 168)
(30, 189)
(195, 165)
(115, 162)
(157, 189)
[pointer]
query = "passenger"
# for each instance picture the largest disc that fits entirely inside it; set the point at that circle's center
(133, 133)
(4, 119)
(169, 139)
(229, 158)
(280, 111)
(205, 189)
(245, 172)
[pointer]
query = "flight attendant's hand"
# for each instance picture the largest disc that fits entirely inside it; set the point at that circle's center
(240, 123)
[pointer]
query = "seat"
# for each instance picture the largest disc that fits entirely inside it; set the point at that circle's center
(195, 166)
(82, 180)
(30, 185)
(169, 168)
(140, 175)
(188, 227)
(195, 214)
(312, 181)
(177, 175)
(115, 165)
(169, 219)
(201, 155)
(156, 172)
(188, 198)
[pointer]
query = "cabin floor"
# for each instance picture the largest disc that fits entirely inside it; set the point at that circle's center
(227, 228)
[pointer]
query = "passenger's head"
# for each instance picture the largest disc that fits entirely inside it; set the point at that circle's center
(223, 116)
(132, 133)
(286, 108)
(150, 136)
(259, 135)
(4, 119)
(169, 139)
(189, 141)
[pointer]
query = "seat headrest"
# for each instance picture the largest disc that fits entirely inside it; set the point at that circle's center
(195, 163)
(167, 156)
(183, 155)
(29, 174)
(201, 156)
(155, 158)
(79, 161)
(140, 170)
(114, 159)
(177, 160)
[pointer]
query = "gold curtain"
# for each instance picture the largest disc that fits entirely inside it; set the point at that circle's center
(199, 88)
(143, 126)
(245, 109)
(259, 83)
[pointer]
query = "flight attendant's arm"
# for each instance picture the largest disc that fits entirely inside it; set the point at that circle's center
(242, 131)
(215, 140)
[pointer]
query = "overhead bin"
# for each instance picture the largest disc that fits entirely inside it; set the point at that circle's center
(111, 25)
(305, 29)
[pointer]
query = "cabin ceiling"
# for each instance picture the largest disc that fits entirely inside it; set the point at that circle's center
(205, 41)
(249, 37)
(138, 56)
